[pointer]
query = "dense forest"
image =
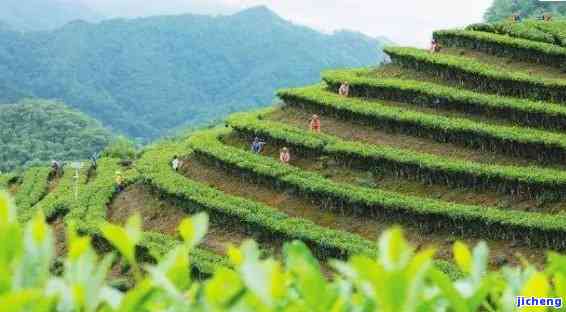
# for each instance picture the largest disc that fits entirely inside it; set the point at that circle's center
(30, 15)
(34, 131)
(502, 9)
(144, 77)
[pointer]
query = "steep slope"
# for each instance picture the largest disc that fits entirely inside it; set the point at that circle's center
(36, 131)
(146, 76)
(30, 15)
(413, 144)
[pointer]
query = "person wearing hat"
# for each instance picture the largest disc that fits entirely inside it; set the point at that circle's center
(344, 89)
(257, 145)
(285, 156)
(434, 46)
(176, 163)
(314, 124)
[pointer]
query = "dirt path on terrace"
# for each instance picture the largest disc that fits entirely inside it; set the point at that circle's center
(163, 217)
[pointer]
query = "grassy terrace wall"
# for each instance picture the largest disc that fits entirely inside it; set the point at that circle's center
(530, 143)
(56, 203)
(525, 182)
(534, 229)
(501, 45)
(479, 76)
(366, 84)
(207, 146)
(252, 216)
(33, 188)
(553, 33)
(87, 214)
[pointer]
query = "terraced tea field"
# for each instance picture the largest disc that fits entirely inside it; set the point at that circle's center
(466, 144)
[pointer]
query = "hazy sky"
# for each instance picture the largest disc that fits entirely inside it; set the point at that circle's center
(407, 22)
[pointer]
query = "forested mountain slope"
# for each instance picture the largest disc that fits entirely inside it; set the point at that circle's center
(33, 131)
(29, 15)
(145, 76)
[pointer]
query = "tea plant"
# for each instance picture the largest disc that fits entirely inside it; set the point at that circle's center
(397, 278)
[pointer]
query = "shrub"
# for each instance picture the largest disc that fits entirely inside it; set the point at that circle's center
(512, 180)
(544, 146)
(516, 48)
(365, 83)
(121, 148)
(480, 76)
(532, 228)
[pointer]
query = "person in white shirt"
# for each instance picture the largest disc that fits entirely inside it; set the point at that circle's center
(176, 163)
(344, 89)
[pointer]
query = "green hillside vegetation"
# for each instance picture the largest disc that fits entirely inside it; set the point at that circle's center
(502, 9)
(146, 77)
(535, 30)
(459, 146)
(252, 282)
(37, 131)
(34, 15)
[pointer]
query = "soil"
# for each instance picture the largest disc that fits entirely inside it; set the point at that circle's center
(157, 216)
(52, 184)
(60, 234)
(13, 188)
(163, 217)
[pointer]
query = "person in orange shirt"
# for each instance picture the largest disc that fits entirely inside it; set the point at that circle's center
(315, 124)
(547, 17)
(285, 156)
(434, 46)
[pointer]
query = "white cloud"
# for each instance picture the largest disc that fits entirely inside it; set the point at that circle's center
(408, 22)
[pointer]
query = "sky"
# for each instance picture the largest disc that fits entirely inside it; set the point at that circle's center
(406, 22)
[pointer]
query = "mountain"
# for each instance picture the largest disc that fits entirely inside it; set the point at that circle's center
(33, 131)
(146, 76)
(30, 15)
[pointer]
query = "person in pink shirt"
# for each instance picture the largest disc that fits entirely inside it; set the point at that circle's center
(285, 156)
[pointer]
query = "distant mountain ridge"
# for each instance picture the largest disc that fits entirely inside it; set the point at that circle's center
(146, 76)
(36, 131)
(33, 15)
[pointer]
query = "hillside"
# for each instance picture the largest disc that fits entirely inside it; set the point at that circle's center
(535, 30)
(464, 145)
(34, 15)
(38, 131)
(502, 9)
(144, 77)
